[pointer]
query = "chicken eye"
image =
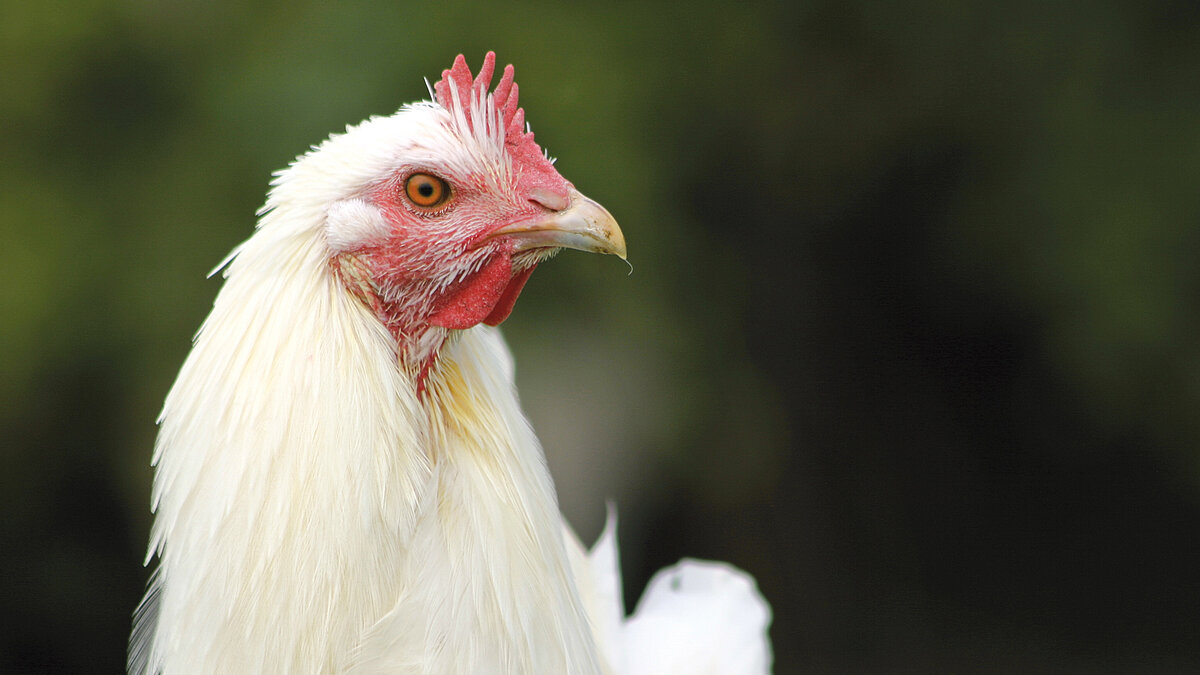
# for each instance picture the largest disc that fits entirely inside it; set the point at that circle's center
(425, 190)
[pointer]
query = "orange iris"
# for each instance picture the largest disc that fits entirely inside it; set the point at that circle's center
(426, 190)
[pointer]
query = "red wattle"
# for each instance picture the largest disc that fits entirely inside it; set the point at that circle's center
(469, 302)
(504, 306)
(487, 296)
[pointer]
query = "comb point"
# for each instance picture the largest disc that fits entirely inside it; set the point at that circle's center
(461, 93)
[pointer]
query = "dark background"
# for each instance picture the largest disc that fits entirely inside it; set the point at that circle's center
(911, 334)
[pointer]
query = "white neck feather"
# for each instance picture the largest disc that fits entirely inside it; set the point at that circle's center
(315, 515)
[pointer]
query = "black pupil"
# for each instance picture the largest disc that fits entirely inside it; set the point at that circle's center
(425, 189)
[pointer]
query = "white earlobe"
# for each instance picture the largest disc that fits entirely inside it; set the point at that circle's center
(353, 223)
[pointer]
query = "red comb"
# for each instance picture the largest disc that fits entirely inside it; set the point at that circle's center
(458, 79)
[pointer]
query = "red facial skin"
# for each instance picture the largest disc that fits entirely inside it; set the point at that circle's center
(441, 267)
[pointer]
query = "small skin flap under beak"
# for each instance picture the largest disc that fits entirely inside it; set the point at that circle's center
(583, 225)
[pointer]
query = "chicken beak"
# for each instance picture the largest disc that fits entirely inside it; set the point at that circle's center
(583, 225)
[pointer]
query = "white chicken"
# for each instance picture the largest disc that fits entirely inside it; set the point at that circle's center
(345, 481)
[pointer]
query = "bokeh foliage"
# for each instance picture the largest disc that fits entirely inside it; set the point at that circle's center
(911, 332)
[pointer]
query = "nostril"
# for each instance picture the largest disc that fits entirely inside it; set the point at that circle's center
(548, 198)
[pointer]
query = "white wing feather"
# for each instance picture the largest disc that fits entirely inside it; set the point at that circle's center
(696, 617)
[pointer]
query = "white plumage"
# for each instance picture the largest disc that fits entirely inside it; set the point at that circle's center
(345, 481)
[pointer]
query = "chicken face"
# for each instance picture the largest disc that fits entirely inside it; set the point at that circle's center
(470, 205)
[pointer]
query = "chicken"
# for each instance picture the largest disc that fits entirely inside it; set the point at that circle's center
(345, 481)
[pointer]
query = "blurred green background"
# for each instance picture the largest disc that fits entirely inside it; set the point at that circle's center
(911, 334)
